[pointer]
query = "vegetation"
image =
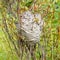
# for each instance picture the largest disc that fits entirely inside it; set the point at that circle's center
(50, 39)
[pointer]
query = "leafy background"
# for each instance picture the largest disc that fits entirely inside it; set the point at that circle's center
(50, 39)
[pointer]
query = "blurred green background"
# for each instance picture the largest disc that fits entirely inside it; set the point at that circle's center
(50, 11)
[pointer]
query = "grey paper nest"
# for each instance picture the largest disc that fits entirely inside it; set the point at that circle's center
(31, 26)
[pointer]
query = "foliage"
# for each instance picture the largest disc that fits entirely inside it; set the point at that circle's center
(50, 39)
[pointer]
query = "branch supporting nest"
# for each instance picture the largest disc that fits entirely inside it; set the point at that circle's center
(27, 47)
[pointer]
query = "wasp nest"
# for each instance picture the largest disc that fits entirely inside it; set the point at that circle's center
(31, 26)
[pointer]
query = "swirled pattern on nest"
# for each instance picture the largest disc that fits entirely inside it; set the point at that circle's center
(31, 26)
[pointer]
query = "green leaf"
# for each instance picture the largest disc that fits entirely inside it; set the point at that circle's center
(29, 3)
